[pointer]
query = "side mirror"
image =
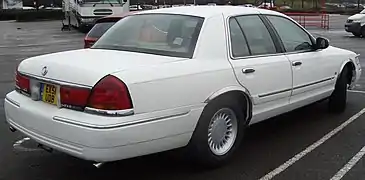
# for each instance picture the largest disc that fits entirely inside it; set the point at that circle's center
(322, 43)
(125, 1)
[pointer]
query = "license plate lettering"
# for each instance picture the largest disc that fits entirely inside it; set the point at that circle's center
(49, 98)
(49, 94)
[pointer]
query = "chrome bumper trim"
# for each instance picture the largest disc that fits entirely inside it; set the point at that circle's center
(94, 126)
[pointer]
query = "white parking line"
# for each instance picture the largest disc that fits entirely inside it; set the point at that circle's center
(297, 157)
(356, 91)
(349, 165)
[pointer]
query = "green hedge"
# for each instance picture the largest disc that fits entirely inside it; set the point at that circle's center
(31, 15)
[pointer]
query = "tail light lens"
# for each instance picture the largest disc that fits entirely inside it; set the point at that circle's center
(22, 83)
(74, 97)
(88, 42)
(110, 93)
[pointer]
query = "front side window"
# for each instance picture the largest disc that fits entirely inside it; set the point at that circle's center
(258, 36)
(160, 34)
(293, 37)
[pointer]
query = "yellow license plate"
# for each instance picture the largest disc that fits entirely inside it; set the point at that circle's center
(49, 94)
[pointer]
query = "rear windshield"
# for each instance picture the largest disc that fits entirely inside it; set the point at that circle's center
(99, 29)
(161, 34)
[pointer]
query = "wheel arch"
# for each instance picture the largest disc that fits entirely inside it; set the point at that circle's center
(351, 70)
(242, 95)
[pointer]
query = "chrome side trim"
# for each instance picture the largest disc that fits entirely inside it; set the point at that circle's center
(125, 112)
(313, 83)
(297, 87)
(54, 81)
(12, 102)
(119, 125)
(273, 93)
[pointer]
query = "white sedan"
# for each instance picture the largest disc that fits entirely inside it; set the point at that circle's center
(191, 77)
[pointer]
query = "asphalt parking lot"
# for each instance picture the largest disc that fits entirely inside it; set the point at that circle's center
(308, 143)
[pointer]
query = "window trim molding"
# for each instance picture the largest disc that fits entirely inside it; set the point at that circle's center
(229, 42)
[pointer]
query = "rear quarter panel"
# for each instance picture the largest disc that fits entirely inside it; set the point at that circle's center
(178, 84)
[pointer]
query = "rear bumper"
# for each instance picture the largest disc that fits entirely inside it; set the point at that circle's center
(99, 138)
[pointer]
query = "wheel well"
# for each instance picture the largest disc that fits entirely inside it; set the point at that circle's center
(350, 73)
(242, 98)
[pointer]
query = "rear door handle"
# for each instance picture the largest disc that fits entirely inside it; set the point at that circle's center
(297, 63)
(248, 70)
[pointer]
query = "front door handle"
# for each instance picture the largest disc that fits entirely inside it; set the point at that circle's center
(297, 63)
(248, 70)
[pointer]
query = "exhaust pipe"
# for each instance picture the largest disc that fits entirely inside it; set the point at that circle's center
(12, 129)
(98, 165)
(48, 149)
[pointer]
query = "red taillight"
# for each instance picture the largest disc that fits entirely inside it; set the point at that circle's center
(88, 42)
(22, 83)
(74, 97)
(110, 94)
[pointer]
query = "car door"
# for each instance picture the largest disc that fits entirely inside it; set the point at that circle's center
(259, 65)
(313, 71)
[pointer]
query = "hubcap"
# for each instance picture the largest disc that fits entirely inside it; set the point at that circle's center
(222, 131)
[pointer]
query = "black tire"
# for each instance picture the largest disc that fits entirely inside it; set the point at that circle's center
(199, 151)
(356, 34)
(338, 98)
(363, 31)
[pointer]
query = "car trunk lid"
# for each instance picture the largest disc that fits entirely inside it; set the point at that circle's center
(87, 66)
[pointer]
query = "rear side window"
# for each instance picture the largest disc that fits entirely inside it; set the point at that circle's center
(99, 29)
(258, 36)
(160, 34)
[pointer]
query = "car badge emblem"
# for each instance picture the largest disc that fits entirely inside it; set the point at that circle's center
(44, 70)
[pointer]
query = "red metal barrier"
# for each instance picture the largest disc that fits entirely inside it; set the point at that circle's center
(311, 19)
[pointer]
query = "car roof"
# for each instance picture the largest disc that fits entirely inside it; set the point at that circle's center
(209, 11)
